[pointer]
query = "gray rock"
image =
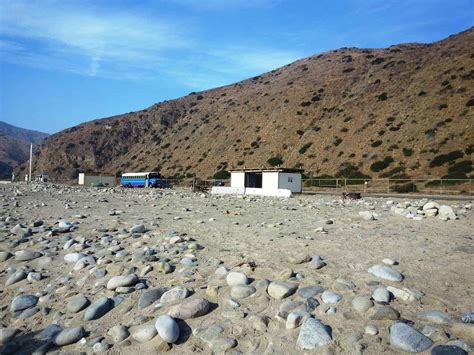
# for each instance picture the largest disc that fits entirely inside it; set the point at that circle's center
(77, 303)
(34, 276)
(69, 336)
(331, 297)
(295, 319)
(430, 205)
(313, 333)
(386, 273)
(5, 255)
(436, 317)
(405, 338)
(221, 345)
(7, 334)
(448, 350)
(468, 317)
(446, 212)
(206, 334)
(309, 291)
(149, 297)
(242, 291)
(26, 255)
(190, 309)
(167, 328)
(175, 294)
(281, 289)
(49, 332)
(385, 313)
(236, 279)
(362, 304)
(144, 333)
(98, 308)
(16, 277)
(22, 302)
(122, 281)
(138, 228)
(381, 294)
(119, 333)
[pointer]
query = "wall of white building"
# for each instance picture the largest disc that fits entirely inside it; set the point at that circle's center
(237, 179)
(290, 181)
(89, 180)
(270, 180)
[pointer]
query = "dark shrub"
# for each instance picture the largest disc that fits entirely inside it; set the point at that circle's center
(464, 166)
(381, 164)
(405, 188)
(378, 61)
(376, 144)
(304, 148)
(382, 97)
(275, 161)
(408, 152)
(470, 102)
(221, 175)
(440, 160)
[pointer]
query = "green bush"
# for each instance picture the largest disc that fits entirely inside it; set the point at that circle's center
(376, 144)
(350, 171)
(464, 166)
(275, 161)
(408, 152)
(382, 97)
(304, 148)
(381, 164)
(221, 175)
(440, 160)
(405, 188)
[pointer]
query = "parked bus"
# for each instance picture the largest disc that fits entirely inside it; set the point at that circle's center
(147, 179)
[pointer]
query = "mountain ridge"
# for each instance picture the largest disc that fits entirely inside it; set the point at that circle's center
(387, 112)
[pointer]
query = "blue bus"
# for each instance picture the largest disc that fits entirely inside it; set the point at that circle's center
(147, 179)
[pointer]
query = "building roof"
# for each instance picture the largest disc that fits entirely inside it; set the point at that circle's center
(262, 170)
(140, 174)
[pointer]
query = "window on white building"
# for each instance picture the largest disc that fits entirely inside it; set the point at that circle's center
(290, 179)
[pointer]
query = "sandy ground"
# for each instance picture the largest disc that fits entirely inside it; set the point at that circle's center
(257, 236)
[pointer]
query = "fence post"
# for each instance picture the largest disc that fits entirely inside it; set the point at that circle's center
(345, 185)
(441, 186)
(337, 184)
(388, 186)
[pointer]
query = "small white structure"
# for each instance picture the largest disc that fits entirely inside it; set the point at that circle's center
(43, 177)
(280, 182)
(96, 180)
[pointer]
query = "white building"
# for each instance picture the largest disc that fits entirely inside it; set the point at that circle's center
(96, 180)
(266, 182)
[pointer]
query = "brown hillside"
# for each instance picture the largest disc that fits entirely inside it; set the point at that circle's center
(407, 108)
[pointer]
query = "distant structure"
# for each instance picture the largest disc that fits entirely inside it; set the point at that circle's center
(144, 179)
(43, 177)
(91, 179)
(280, 182)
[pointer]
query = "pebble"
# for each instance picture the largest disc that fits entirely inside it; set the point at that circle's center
(386, 273)
(138, 229)
(240, 292)
(295, 319)
(331, 297)
(122, 281)
(16, 277)
(405, 338)
(26, 255)
(468, 317)
(167, 328)
(144, 333)
(149, 297)
(77, 303)
(173, 295)
(190, 309)
(448, 350)
(281, 289)
(385, 313)
(98, 308)
(381, 294)
(236, 279)
(446, 213)
(23, 302)
(313, 334)
(222, 345)
(69, 336)
(371, 330)
(436, 317)
(309, 291)
(119, 333)
(362, 304)
(7, 334)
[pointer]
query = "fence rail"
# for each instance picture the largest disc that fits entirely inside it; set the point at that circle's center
(428, 186)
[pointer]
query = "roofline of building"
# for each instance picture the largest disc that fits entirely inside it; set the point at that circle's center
(261, 170)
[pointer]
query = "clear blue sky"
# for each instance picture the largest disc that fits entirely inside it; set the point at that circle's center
(65, 62)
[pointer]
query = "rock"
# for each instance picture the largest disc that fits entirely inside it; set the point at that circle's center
(236, 279)
(26, 255)
(207, 334)
(368, 216)
(313, 333)
(74, 257)
(432, 212)
(49, 332)
(164, 267)
(405, 338)
(468, 317)
(385, 272)
(240, 292)
(309, 291)
(436, 317)
(122, 281)
(385, 313)
(362, 304)
(34, 276)
(119, 333)
(16, 277)
(446, 212)
(5, 255)
(77, 303)
(430, 205)
(149, 297)
(447, 350)
(22, 302)
(144, 333)
(281, 289)
(288, 306)
(138, 229)
(190, 309)
(331, 297)
(175, 294)
(69, 336)
(371, 330)
(299, 259)
(64, 227)
(220, 345)
(404, 294)
(7, 334)
(390, 262)
(381, 294)
(98, 308)
(167, 328)
(221, 272)
(295, 319)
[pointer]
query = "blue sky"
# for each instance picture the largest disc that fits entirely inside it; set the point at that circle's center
(66, 62)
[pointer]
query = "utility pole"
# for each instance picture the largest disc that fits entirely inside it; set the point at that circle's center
(31, 162)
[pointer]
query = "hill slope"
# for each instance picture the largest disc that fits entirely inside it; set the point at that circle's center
(15, 146)
(406, 110)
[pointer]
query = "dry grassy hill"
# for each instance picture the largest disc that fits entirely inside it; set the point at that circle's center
(406, 110)
(15, 146)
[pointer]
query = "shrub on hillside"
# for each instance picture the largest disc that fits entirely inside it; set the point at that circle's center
(221, 175)
(440, 160)
(304, 148)
(275, 161)
(381, 164)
